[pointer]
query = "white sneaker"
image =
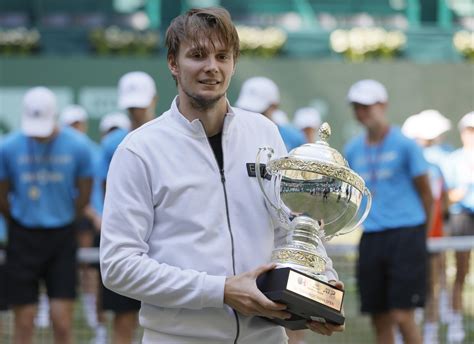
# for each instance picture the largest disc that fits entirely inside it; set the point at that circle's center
(456, 332)
(100, 335)
(42, 316)
(430, 333)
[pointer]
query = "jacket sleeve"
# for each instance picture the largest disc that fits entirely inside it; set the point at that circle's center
(127, 222)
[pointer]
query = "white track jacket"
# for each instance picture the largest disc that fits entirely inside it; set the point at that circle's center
(174, 227)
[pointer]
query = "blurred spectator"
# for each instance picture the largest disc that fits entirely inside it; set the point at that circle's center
(41, 166)
(260, 94)
(459, 172)
(308, 120)
(280, 117)
(392, 265)
(426, 128)
(112, 121)
(136, 94)
(88, 225)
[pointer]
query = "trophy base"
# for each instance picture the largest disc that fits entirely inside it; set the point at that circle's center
(306, 297)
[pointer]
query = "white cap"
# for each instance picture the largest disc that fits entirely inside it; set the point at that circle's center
(258, 94)
(135, 89)
(114, 120)
(467, 121)
(307, 117)
(426, 125)
(280, 117)
(39, 112)
(72, 114)
(367, 92)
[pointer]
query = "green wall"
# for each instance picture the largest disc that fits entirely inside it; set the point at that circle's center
(412, 87)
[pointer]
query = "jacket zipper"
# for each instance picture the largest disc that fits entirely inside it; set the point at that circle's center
(232, 245)
(221, 171)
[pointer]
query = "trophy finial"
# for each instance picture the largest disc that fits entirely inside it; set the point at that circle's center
(324, 131)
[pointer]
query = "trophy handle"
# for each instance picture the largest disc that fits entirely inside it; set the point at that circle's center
(368, 205)
(270, 153)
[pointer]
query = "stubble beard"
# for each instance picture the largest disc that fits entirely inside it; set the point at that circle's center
(201, 103)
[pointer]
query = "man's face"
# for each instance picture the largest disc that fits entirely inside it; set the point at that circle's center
(203, 74)
(467, 137)
(368, 115)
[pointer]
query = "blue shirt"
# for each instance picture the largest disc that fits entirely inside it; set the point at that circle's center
(3, 230)
(109, 144)
(291, 136)
(388, 170)
(43, 176)
(459, 174)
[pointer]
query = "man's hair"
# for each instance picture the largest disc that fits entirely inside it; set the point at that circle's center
(201, 24)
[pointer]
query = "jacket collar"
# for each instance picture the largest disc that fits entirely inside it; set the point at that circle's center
(195, 127)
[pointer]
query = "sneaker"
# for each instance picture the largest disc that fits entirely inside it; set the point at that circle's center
(42, 315)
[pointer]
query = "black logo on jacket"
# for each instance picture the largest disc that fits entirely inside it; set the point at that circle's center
(263, 171)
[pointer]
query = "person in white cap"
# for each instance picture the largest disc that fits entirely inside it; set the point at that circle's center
(308, 120)
(392, 264)
(112, 121)
(185, 228)
(138, 96)
(426, 128)
(45, 183)
(261, 95)
(459, 172)
(88, 226)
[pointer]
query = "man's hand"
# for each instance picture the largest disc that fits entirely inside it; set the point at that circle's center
(241, 293)
(327, 329)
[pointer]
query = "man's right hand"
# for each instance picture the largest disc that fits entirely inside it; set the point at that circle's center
(241, 293)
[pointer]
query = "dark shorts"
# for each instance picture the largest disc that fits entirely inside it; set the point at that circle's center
(39, 254)
(462, 224)
(392, 269)
(117, 303)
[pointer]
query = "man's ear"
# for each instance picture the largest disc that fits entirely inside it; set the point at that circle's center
(173, 66)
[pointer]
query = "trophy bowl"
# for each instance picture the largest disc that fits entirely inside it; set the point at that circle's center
(316, 197)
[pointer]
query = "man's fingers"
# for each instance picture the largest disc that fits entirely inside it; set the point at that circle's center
(263, 268)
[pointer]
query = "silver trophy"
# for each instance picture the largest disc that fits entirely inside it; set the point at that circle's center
(317, 197)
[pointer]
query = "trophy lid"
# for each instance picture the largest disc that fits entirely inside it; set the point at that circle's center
(320, 158)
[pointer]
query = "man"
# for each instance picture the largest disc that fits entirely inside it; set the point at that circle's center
(185, 227)
(45, 183)
(260, 94)
(392, 265)
(88, 224)
(137, 95)
(459, 171)
(426, 128)
(308, 120)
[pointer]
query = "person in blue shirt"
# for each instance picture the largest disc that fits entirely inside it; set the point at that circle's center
(459, 172)
(427, 128)
(88, 225)
(260, 94)
(45, 183)
(137, 95)
(392, 265)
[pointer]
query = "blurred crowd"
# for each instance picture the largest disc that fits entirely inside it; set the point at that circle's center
(53, 178)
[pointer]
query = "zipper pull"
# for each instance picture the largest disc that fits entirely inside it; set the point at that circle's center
(222, 176)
